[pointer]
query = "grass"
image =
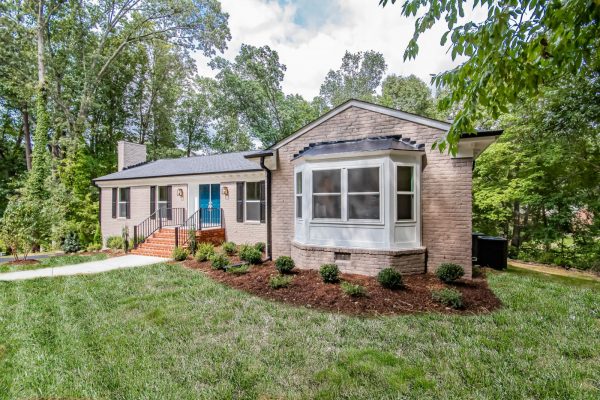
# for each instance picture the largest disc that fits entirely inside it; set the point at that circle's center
(168, 332)
(53, 262)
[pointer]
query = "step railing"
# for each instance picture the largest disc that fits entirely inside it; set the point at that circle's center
(159, 219)
(202, 219)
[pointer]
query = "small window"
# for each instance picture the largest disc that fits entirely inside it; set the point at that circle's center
(162, 199)
(327, 196)
(123, 200)
(363, 193)
(298, 194)
(253, 201)
(405, 193)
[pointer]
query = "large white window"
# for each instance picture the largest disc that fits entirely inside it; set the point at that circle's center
(298, 194)
(123, 200)
(405, 193)
(327, 194)
(347, 194)
(253, 201)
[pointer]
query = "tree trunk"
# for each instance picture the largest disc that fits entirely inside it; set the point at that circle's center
(40, 46)
(27, 134)
(516, 232)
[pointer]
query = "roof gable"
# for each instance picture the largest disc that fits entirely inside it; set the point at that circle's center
(433, 123)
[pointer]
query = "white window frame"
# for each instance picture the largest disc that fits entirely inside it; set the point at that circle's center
(158, 201)
(298, 194)
(413, 192)
(246, 201)
(344, 167)
(120, 201)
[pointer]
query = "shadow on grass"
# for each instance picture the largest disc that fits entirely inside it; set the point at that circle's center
(565, 280)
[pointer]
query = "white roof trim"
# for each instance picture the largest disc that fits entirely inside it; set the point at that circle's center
(365, 106)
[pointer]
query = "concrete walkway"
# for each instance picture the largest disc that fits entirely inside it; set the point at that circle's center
(92, 267)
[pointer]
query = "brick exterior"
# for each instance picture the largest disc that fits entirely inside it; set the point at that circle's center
(445, 191)
(245, 232)
(129, 154)
(362, 261)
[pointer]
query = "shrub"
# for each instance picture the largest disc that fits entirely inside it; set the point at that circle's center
(229, 248)
(192, 243)
(239, 269)
(449, 272)
(280, 281)
(353, 290)
(179, 254)
(250, 254)
(71, 243)
(448, 297)
(390, 278)
(114, 242)
(284, 264)
(204, 251)
(219, 261)
(330, 273)
(94, 247)
(260, 246)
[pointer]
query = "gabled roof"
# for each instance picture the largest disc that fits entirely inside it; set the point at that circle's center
(197, 165)
(395, 142)
(418, 119)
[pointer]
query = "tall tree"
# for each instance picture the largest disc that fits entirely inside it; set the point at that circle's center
(519, 46)
(358, 78)
(194, 116)
(408, 93)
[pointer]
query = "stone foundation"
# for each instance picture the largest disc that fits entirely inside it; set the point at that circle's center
(359, 261)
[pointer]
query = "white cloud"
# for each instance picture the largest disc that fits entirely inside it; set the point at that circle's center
(310, 52)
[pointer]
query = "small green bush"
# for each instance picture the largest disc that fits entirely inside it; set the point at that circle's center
(353, 290)
(260, 246)
(280, 281)
(192, 242)
(448, 297)
(229, 248)
(250, 254)
(239, 269)
(219, 261)
(284, 264)
(94, 247)
(449, 272)
(179, 254)
(390, 278)
(71, 243)
(204, 252)
(114, 242)
(330, 273)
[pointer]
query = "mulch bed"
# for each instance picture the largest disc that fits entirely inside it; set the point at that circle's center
(308, 290)
(22, 262)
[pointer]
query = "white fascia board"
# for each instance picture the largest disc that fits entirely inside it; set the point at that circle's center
(471, 147)
(184, 179)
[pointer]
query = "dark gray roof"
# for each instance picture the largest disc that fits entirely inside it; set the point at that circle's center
(212, 164)
(395, 142)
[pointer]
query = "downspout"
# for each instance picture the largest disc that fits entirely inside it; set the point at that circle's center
(269, 231)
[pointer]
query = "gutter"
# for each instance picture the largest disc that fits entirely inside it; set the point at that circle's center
(269, 209)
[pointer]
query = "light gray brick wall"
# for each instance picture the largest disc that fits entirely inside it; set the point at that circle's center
(129, 154)
(246, 232)
(445, 190)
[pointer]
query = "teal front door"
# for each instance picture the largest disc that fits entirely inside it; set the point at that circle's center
(210, 203)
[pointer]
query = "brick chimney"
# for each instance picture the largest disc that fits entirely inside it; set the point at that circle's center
(130, 154)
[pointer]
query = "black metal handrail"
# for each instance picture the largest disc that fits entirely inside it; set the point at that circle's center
(201, 219)
(162, 217)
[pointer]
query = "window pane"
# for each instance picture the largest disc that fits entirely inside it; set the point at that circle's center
(404, 181)
(123, 194)
(298, 206)
(252, 191)
(162, 193)
(327, 181)
(363, 179)
(123, 210)
(404, 206)
(298, 182)
(363, 206)
(327, 206)
(252, 211)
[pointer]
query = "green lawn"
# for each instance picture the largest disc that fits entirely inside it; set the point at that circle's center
(56, 261)
(167, 332)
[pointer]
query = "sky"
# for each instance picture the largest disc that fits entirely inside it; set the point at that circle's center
(311, 37)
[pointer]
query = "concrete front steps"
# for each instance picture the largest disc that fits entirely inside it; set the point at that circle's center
(162, 242)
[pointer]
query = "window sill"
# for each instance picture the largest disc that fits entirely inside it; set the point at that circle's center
(317, 222)
(253, 222)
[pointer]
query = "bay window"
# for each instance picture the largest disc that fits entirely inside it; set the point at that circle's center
(363, 193)
(405, 193)
(298, 194)
(327, 194)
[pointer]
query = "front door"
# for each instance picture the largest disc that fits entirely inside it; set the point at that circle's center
(210, 198)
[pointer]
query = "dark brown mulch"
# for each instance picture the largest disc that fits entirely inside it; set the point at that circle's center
(22, 262)
(307, 289)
